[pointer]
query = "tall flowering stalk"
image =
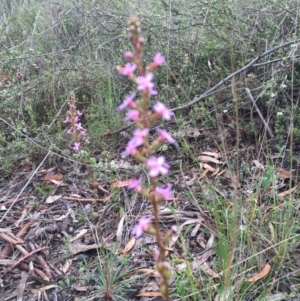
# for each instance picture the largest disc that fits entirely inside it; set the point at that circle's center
(73, 119)
(143, 148)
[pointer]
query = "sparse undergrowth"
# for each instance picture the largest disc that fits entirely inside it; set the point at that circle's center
(235, 178)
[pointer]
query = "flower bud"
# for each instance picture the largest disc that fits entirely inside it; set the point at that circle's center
(128, 55)
(164, 290)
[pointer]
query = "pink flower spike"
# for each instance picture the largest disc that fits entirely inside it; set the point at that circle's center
(159, 59)
(141, 226)
(128, 69)
(164, 135)
(76, 146)
(128, 102)
(165, 193)
(128, 55)
(133, 115)
(145, 83)
(163, 111)
(157, 166)
(136, 185)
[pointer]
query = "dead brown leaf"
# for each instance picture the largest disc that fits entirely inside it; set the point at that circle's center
(209, 251)
(121, 184)
(206, 159)
(192, 181)
(177, 234)
(55, 177)
(205, 172)
(283, 194)
(53, 198)
(149, 272)
(58, 183)
(258, 164)
(264, 272)
(207, 269)
(284, 173)
(99, 186)
(148, 294)
(207, 166)
(128, 246)
(212, 154)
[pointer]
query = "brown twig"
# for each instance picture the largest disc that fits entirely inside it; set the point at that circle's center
(24, 257)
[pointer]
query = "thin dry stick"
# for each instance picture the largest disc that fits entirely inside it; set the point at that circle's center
(259, 113)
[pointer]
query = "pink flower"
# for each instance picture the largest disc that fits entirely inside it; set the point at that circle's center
(139, 136)
(66, 120)
(76, 146)
(128, 102)
(71, 105)
(130, 148)
(78, 113)
(165, 193)
(69, 131)
(174, 228)
(164, 135)
(156, 255)
(157, 166)
(133, 115)
(163, 111)
(127, 70)
(79, 126)
(145, 83)
(142, 226)
(166, 265)
(136, 185)
(128, 55)
(159, 59)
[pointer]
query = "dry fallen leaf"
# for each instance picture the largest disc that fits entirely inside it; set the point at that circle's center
(53, 198)
(203, 174)
(283, 173)
(206, 268)
(212, 154)
(56, 177)
(283, 194)
(207, 166)
(175, 237)
(149, 294)
(206, 159)
(121, 184)
(258, 164)
(264, 272)
(128, 246)
(149, 272)
(192, 181)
